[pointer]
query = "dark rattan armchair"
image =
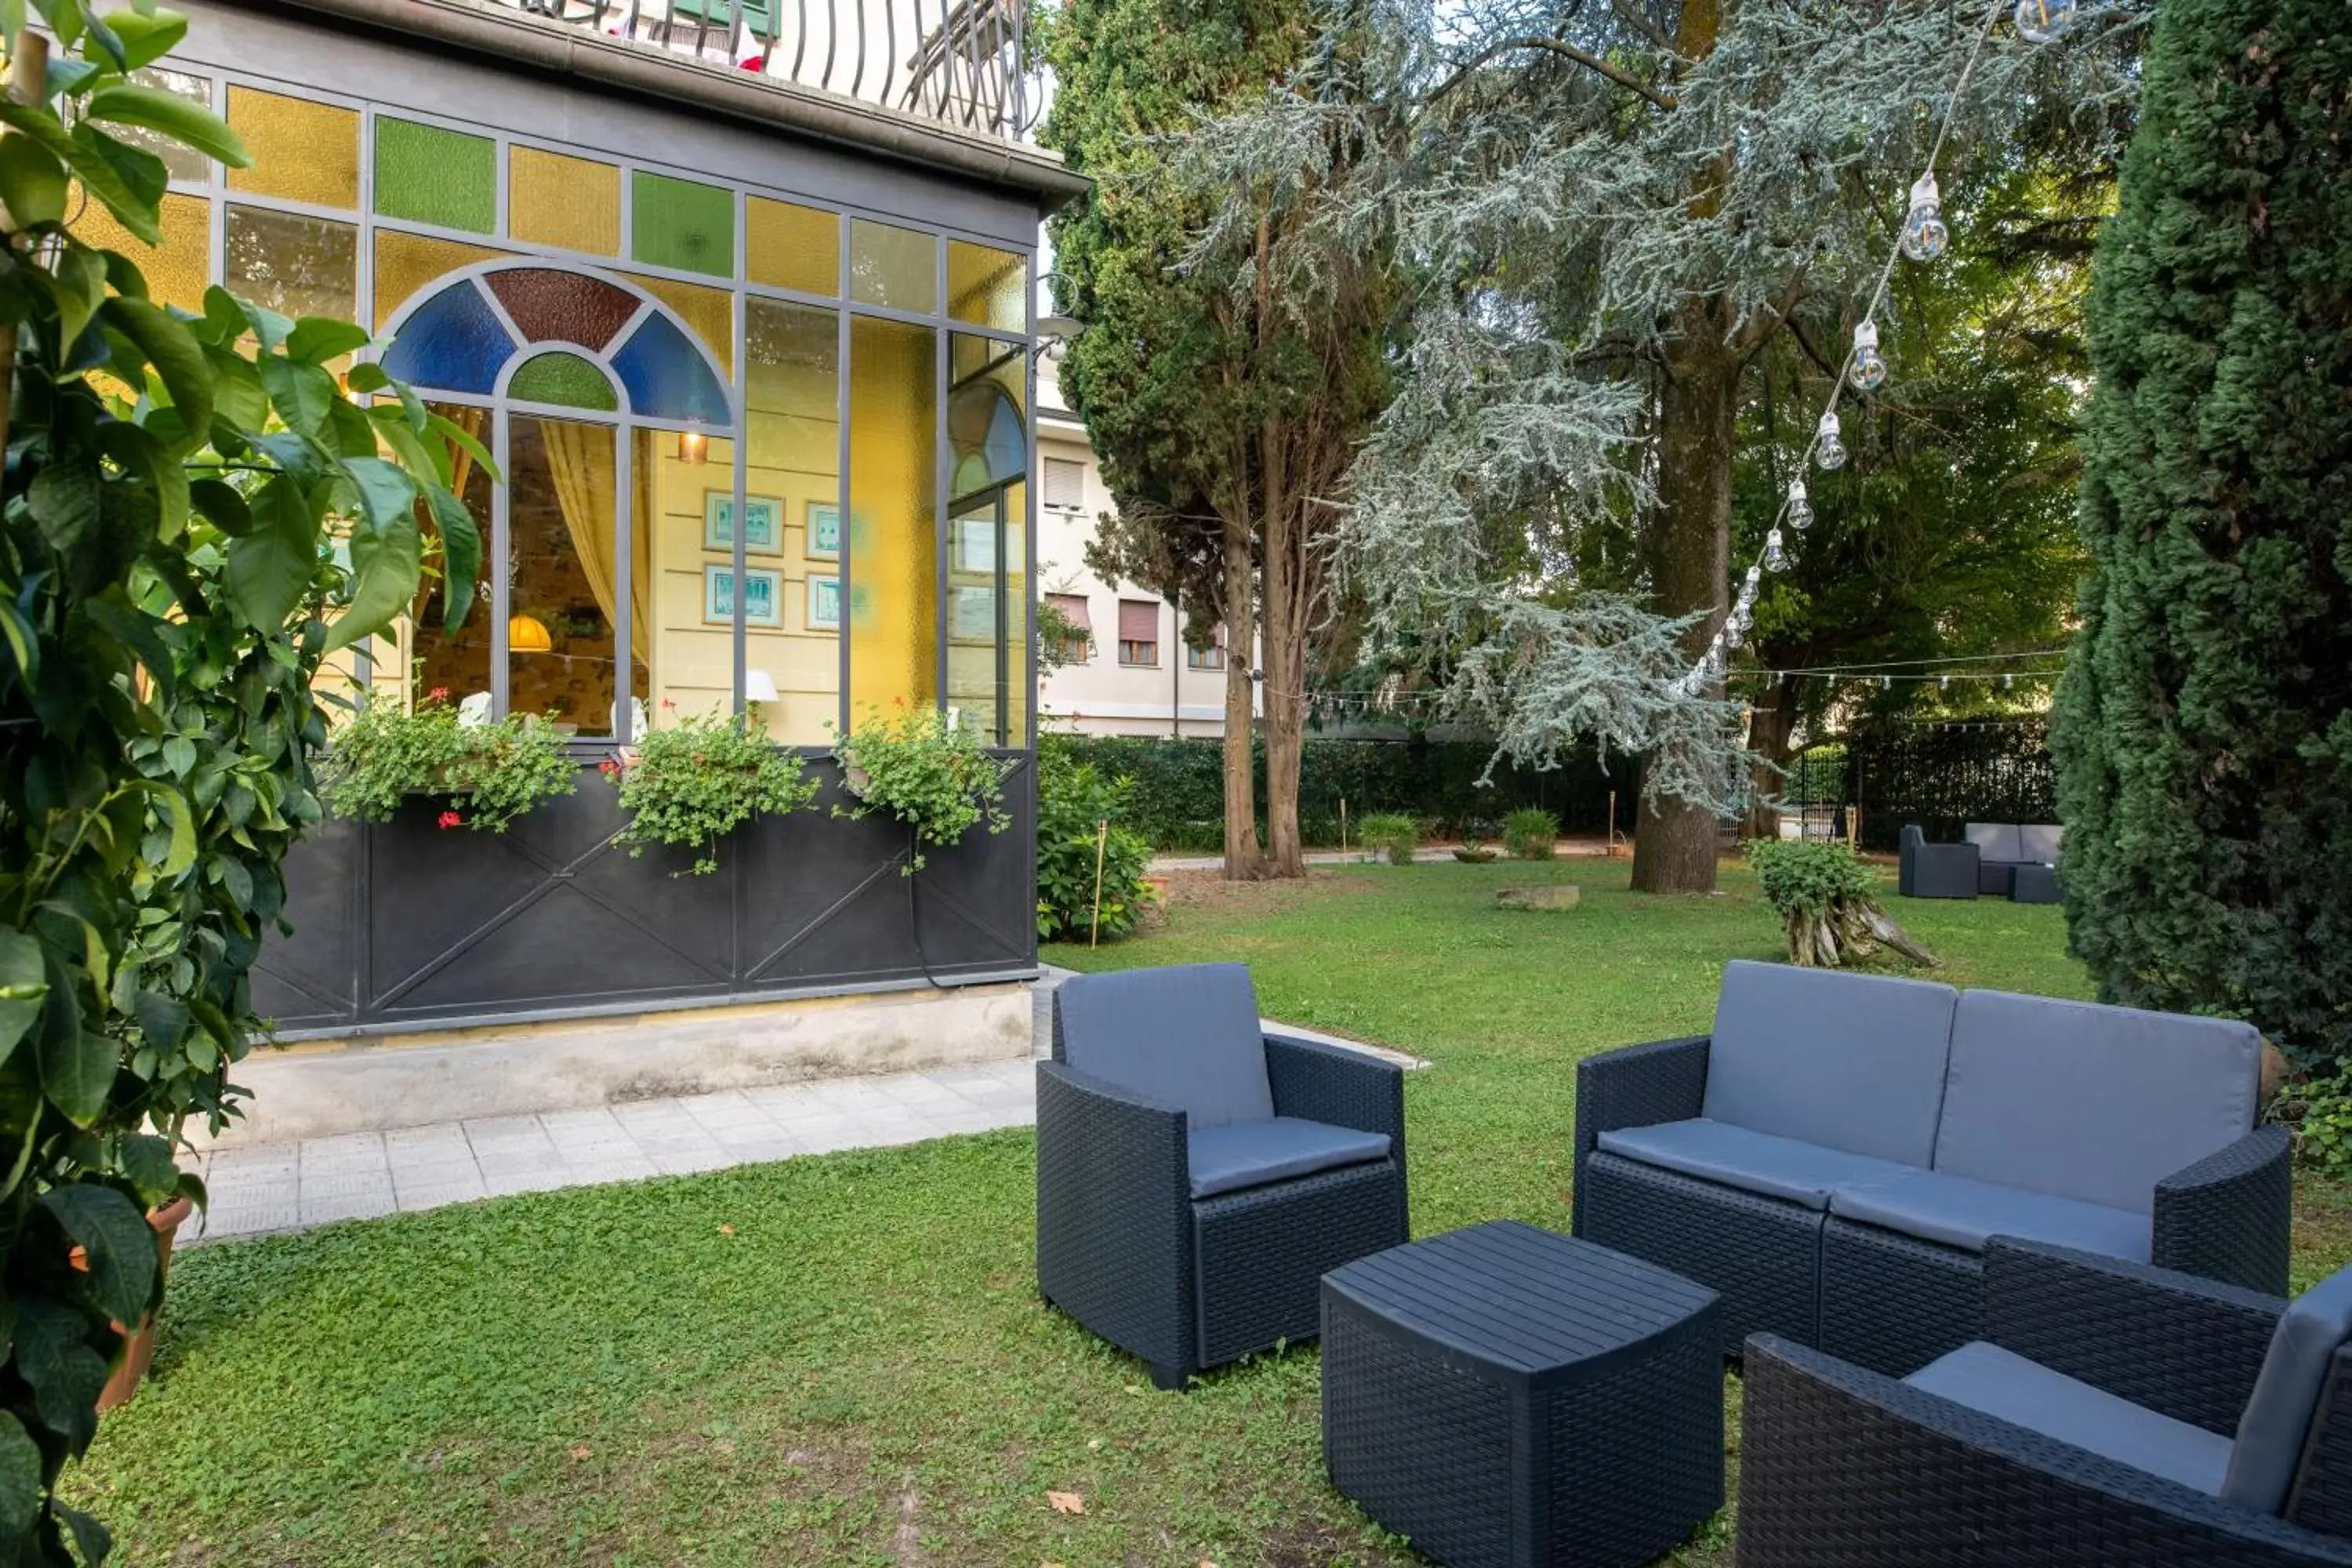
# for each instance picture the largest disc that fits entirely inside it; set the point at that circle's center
(1197, 1177)
(1935, 870)
(2112, 1413)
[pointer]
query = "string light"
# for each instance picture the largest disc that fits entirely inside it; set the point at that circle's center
(1775, 558)
(2044, 21)
(1924, 233)
(1866, 367)
(1801, 510)
(1829, 451)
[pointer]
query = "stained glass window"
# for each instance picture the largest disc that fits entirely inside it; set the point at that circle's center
(177, 270)
(549, 303)
(561, 377)
(893, 266)
(296, 265)
(680, 223)
(428, 174)
(711, 313)
(452, 343)
(666, 378)
(302, 152)
(181, 162)
(987, 286)
(893, 522)
(572, 204)
(790, 247)
(406, 263)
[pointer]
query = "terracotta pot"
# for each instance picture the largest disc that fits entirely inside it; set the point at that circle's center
(140, 1350)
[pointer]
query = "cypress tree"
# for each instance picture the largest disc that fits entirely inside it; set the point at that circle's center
(2204, 727)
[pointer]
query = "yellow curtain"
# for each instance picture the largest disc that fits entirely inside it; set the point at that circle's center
(579, 458)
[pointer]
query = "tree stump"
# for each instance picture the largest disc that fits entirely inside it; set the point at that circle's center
(1846, 930)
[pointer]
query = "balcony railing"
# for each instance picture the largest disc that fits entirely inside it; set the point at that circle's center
(958, 63)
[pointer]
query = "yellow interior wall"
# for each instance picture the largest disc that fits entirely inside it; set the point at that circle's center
(894, 590)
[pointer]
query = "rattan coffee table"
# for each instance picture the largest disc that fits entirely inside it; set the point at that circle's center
(1506, 1396)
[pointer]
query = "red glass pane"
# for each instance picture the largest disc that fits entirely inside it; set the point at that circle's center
(547, 304)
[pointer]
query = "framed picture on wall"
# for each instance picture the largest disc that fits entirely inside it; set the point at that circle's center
(824, 532)
(763, 597)
(823, 603)
(763, 528)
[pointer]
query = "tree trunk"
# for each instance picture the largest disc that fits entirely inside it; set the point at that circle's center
(1769, 729)
(1241, 860)
(1284, 660)
(1688, 542)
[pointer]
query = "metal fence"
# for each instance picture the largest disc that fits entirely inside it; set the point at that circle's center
(961, 63)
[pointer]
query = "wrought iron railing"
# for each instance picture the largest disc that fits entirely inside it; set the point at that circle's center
(961, 63)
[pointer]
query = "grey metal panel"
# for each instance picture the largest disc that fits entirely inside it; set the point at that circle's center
(408, 923)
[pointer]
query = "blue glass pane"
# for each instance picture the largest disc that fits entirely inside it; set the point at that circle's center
(991, 443)
(452, 343)
(667, 375)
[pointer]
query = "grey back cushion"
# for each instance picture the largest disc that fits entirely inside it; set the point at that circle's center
(2273, 1431)
(1995, 840)
(2091, 1103)
(2039, 842)
(1847, 1061)
(1186, 1038)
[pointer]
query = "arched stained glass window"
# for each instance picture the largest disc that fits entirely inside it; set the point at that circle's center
(462, 337)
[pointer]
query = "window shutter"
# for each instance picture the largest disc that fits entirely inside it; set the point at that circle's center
(1074, 609)
(1139, 620)
(1066, 483)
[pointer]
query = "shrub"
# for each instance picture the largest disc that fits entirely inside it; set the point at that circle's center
(933, 776)
(490, 773)
(1393, 834)
(1073, 798)
(1527, 834)
(695, 783)
(1828, 904)
(2324, 1139)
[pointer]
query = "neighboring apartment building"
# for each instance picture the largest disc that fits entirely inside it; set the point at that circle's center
(1136, 676)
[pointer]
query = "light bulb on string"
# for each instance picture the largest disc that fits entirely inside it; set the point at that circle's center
(2044, 21)
(1731, 633)
(1801, 510)
(1866, 367)
(1828, 450)
(1755, 573)
(1886, 683)
(1924, 233)
(1775, 558)
(1943, 683)
(1742, 617)
(2007, 682)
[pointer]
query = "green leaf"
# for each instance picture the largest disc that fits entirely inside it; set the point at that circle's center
(23, 646)
(455, 434)
(20, 1461)
(178, 818)
(461, 553)
(82, 283)
(54, 1355)
(33, 182)
(141, 172)
(315, 339)
(11, 27)
(23, 987)
(67, 74)
(302, 393)
(65, 501)
(386, 492)
(91, 1538)
(119, 1242)
(387, 561)
(146, 1159)
(367, 376)
(77, 1070)
(147, 34)
(138, 450)
(269, 569)
(238, 398)
(135, 630)
(175, 352)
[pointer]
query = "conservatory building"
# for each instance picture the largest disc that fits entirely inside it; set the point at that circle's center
(739, 300)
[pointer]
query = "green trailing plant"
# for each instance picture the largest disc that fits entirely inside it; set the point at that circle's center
(1828, 902)
(193, 516)
(2321, 1112)
(696, 781)
(487, 773)
(1073, 799)
(911, 764)
(1529, 834)
(1393, 834)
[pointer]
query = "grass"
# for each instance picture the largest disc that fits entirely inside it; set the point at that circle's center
(843, 1360)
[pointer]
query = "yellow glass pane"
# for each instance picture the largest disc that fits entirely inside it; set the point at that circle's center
(693, 640)
(893, 266)
(302, 152)
(574, 203)
(177, 270)
(709, 311)
(893, 608)
(788, 247)
(793, 377)
(987, 286)
(406, 263)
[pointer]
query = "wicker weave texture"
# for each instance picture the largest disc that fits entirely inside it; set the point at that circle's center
(1114, 1217)
(1344, 1089)
(1761, 1256)
(1636, 1455)
(2322, 1497)
(1262, 1254)
(2227, 1217)
(1638, 1086)
(1843, 1467)
(1892, 1303)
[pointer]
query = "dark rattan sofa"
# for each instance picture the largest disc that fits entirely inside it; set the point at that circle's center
(1197, 1177)
(2112, 1413)
(1833, 1159)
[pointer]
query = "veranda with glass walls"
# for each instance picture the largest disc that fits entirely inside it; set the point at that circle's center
(759, 408)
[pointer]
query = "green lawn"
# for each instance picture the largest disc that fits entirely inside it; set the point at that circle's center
(843, 1359)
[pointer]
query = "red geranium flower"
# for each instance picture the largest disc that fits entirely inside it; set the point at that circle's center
(438, 694)
(451, 819)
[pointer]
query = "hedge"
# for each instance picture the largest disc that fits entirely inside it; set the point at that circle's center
(1945, 774)
(1179, 797)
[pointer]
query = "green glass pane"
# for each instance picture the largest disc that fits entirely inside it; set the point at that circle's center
(677, 222)
(426, 174)
(563, 378)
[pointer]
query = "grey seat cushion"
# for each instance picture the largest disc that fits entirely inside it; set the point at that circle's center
(2091, 1103)
(1854, 1062)
(2272, 1433)
(1753, 1162)
(1186, 1038)
(1961, 1213)
(2010, 1388)
(1995, 840)
(1251, 1154)
(2039, 842)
